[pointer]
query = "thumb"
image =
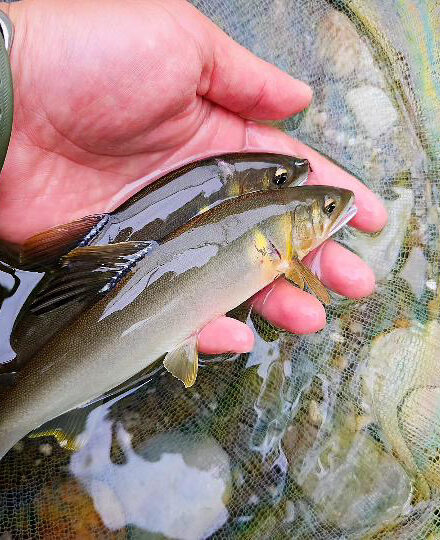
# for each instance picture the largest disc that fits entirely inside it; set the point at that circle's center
(241, 82)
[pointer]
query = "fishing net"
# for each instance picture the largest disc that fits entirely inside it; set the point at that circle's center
(334, 435)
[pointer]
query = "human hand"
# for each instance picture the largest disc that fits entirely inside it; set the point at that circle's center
(108, 91)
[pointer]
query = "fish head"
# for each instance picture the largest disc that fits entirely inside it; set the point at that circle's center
(290, 172)
(323, 211)
(261, 172)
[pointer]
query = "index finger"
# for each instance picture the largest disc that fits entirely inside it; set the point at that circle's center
(371, 215)
(239, 81)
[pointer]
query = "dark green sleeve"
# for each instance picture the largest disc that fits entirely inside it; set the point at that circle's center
(6, 99)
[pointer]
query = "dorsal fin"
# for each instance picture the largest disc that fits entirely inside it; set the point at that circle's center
(46, 248)
(89, 271)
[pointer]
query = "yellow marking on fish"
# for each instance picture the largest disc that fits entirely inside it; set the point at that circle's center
(62, 439)
(235, 189)
(267, 253)
(261, 242)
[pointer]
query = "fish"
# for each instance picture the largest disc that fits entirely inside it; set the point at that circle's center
(157, 297)
(164, 205)
(151, 214)
(174, 199)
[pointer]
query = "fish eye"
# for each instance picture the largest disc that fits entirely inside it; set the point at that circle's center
(280, 177)
(329, 207)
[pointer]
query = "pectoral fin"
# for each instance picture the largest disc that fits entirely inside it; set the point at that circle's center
(183, 362)
(307, 276)
(295, 274)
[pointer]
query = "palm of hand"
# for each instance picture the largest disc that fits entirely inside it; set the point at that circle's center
(112, 94)
(88, 118)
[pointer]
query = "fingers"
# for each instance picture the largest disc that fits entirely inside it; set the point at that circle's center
(341, 270)
(371, 215)
(298, 312)
(241, 82)
(290, 308)
(225, 335)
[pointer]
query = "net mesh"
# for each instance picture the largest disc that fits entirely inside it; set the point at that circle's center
(333, 435)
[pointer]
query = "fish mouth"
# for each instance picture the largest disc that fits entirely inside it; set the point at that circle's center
(303, 180)
(344, 218)
(303, 166)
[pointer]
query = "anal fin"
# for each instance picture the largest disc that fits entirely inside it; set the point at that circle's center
(183, 362)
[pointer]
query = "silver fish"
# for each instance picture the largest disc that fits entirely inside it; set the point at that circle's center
(159, 303)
